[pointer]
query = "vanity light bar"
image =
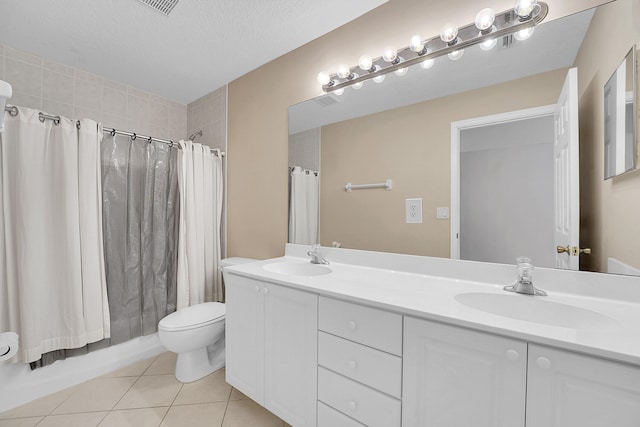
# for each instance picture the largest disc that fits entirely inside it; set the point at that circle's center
(505, 23)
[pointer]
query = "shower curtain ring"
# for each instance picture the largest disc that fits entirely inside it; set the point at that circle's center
(150, 140)
(133, 137)
(113, 132)
(41, 117)
(78, 124)
(56, 121)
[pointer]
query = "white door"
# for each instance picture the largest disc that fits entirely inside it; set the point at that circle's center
(566, 389)
(458, 377)
(291, 354)
(244, 335)
(566, 175)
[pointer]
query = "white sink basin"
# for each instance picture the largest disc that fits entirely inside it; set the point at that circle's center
(297, 268)
(534, 309)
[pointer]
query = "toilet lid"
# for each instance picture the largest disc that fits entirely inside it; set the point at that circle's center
(196, 315)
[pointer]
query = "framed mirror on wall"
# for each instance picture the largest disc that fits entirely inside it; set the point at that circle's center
(401, 129)
(620, 112)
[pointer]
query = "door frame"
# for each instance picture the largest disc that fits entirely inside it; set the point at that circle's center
(459, 126)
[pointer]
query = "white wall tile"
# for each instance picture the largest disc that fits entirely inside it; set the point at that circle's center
(88, 91)
(24, 77)
(138, 114)
(115, 122)
(87, 113)
(57, 108)
(22, 56)
(28, 101)
(57, 86)
(57, 67)
(115, 101)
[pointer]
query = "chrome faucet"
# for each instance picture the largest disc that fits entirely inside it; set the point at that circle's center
(524, 284)
(316, 257)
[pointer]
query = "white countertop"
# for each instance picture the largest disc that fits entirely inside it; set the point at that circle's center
(613, 332)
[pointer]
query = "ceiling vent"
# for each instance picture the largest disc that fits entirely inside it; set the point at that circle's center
(163, 6)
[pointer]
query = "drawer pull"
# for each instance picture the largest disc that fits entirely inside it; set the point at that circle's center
(543, 362)
(257, 288)
(353, 364)
(512, 355)
(351, 324)
(353, 405)
(265, 290)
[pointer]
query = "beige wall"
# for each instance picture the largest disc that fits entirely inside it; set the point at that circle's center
(611, 208)
(412, 146)
(258, 101)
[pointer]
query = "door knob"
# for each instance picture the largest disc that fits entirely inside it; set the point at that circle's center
(586, 251)
(562, 249)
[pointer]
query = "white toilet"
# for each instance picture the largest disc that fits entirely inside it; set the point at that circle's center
(196, 333)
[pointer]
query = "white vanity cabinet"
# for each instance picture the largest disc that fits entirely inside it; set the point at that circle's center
(458, 377)
(566, 389)
(271, 347)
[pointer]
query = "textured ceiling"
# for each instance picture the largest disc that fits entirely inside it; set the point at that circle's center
(199, 47)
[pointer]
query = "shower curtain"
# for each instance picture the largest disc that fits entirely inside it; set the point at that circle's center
(52, 280)
(304, 206)
(140, 221)
(200, 183)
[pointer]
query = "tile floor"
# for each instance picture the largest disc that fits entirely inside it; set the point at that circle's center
(144, 394)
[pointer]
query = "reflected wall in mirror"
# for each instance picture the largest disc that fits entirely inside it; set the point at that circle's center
(620, 145)
(401, 130)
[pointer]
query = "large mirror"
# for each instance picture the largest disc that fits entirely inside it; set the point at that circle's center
(401, 130)
(619, 118)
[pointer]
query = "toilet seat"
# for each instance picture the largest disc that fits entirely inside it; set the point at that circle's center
(196, 316)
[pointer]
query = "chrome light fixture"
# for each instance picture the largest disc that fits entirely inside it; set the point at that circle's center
(487, 28)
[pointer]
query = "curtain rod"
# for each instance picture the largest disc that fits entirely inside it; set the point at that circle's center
(13, 111)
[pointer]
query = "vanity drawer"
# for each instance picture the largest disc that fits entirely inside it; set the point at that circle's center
(329, 417)
(364, 404)
(374, 368)
(369, 326)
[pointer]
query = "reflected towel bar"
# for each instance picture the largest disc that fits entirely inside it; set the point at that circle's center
(386, 185)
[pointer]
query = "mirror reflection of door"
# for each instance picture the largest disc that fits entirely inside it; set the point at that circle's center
(518, 185)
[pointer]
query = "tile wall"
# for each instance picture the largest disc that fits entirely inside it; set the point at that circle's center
(209, 115)
(62, 90)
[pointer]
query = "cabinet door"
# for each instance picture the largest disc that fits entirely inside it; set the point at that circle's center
(245, 335)
(565, 389)
(291, 354)
(458, 378)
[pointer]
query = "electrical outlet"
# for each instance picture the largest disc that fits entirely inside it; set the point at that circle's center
(413, 211)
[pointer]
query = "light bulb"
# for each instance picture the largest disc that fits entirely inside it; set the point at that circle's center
(427, 64)
(449, 33)
(343, 71)
(485, 18)
(390, 54)
(416, 44)
(456, 54)
(365, 63)
(358, 85)
(489, 44)
(523, 34)
(323, 78)
(401, 71)
(339, 91)
(523, 8)
(380, 78)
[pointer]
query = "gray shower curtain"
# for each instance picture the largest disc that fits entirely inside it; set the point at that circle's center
(140, 224)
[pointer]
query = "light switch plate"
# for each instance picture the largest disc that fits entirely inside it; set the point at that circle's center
(442, 213)
(413, 211)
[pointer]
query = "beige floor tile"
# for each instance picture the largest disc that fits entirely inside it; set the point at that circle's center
(134, 370)
(21, 422)
(201, 415)
(99, 394)
(164, 364)
(150, 391)
(88, 419)
(42, 406)
(247, 413)
(212, 388)
(237, 395)
(147, 417)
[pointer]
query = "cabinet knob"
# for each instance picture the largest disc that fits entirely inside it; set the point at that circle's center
(351, 324)
(543, 362)
(257, 288)
(352, 364)
(353, 405)
(512, 355)
(265, 290)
